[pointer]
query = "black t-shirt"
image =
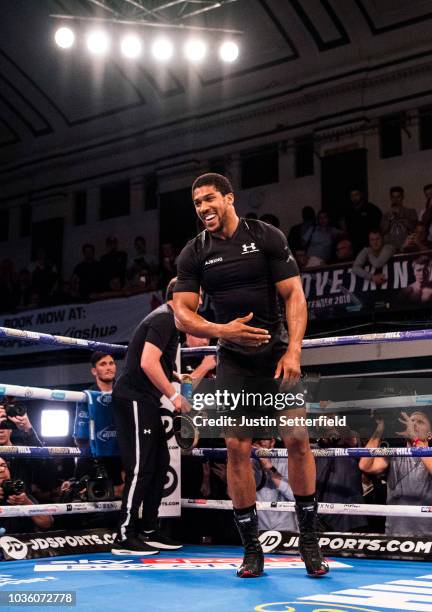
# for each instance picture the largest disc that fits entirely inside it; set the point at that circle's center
(360, 221)
(89, 274)
(239, 273)
(159, 329)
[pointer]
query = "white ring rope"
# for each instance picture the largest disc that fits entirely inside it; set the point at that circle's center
(62, 395)
(323, 508)
(52, 395)
(219, 504)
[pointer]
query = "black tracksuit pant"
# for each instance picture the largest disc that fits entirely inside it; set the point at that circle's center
(145, 458)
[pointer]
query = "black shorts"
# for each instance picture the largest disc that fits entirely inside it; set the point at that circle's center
(261, 400)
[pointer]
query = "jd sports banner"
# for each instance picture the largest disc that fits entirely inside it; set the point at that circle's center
(353, 545)
(19, 546)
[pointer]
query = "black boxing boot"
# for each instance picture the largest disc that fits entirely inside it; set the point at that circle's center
(309, 540)
(246, 520)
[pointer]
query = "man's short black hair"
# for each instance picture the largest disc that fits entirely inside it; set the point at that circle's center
(97, 356)
(220, 182)
(308, 214)
(429, 186)
(375, 230)
(397, 189)
(170, 289)
(423, 260)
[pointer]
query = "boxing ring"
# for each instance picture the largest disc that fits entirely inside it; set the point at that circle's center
(203, 577)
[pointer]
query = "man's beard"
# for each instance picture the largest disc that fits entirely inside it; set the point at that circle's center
(219, 227)
(107, 380)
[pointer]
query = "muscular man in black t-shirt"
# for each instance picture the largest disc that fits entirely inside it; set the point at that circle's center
(240, 264)
(141, 435)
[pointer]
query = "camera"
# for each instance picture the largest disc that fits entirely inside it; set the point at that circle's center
(12, 410)
(100, 489)
(12, 487)
(73, 492)
(96, 489)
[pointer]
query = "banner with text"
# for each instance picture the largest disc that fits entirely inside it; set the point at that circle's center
(378, 546)
(335, 290)
(108, 321)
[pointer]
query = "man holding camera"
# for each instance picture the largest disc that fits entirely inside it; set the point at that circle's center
(14, 417)
(13, 492)
(15, 423)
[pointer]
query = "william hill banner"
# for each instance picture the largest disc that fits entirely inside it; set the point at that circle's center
(335, 290)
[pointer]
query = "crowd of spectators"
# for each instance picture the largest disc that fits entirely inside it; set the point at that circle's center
(363, 234)
(113, 274)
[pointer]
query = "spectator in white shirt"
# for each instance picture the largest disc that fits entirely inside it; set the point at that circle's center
(376, 255)
(271, 477)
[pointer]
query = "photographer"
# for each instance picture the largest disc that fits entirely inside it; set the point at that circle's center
(15, 423)
(13, 493)
(339, 481)
(14, 418)
(409, 479)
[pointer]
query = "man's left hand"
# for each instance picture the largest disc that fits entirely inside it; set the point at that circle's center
(409, 432)
(289, 368)
(22, 423)
(266, 464)
(19, 500)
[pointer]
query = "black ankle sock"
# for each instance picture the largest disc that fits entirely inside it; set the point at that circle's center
(305, 499)
(246, 520)
(244, 511)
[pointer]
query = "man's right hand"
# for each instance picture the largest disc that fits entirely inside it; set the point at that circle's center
(380, 424)
(209, 362)
(181, 405)
(379, 279)
(237, 331)
(3, 415)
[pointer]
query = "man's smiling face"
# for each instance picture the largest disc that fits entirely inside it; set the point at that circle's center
(212, 207)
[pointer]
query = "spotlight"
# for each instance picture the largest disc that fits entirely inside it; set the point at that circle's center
(65, 38)
(97, 42)
(229, 52)
(54, 423)
(162, 49)
(131, 46)
(195, 50)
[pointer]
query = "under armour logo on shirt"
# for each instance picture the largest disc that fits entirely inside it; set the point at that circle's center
(146, 431)
(249, 248)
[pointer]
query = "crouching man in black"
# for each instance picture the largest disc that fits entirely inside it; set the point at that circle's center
(141, 435)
